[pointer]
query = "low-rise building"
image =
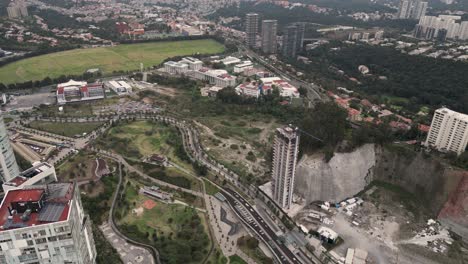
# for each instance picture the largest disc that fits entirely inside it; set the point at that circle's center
(284, 87)
(155, 192)
(75, 91)
(230, 60)
(193, 63)
(173, 67)
(250, 89)
(120, 87)
(220, 78)
(241, 67)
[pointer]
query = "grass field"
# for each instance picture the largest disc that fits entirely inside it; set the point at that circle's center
(108, 59)
(65, 129)
(235, 259)
(178, 231)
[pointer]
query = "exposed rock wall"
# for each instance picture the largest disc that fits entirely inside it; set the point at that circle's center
(343, 176)
(443, 189)
(420, 174)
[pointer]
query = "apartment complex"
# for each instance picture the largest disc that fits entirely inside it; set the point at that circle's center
(441, 27)
(448, 132)
(8, 167)
(269, 30)
(45, 224)
(251, 29)
(73, 91)
(293, 39)
(285, 151)
(17, 9)
(411, 9)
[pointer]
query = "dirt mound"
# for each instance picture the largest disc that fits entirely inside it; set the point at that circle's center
(456, 207)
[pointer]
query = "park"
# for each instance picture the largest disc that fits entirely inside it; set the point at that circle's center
(125, 57)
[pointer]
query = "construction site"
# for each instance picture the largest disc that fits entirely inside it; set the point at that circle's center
(377, 218)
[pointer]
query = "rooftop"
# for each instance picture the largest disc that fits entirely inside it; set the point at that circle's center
(36, 206)
(38, 167)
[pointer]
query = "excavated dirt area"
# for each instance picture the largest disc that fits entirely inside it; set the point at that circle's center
(391, 225)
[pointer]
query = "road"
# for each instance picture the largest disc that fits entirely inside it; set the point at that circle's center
(252, 218)
(313, 91)
(190, 139)
(111, 222)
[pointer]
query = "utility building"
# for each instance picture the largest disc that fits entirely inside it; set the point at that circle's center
(285, 153)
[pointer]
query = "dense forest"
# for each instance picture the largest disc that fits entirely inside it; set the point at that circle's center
(301, 14)
(421, 80)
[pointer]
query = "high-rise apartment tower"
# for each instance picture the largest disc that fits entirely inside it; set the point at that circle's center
(269, 30)
(251, 29)
(448, 132)
(285, 151)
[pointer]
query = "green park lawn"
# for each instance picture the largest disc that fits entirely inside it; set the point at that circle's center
(139, 139)
(69, 129)
(235, 259)
(179, 232)
(108, 59)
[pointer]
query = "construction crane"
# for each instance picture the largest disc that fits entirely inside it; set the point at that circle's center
(310, 135)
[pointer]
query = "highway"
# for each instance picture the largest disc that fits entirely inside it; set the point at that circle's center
(259, 226)
(253, 219)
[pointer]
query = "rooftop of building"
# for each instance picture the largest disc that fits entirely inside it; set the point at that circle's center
(191, 60)
(457, 115)
(71, 83)
(37, 168)
(288, 131)
(36, 205)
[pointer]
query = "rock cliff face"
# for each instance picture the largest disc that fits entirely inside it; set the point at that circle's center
(343, 176)
(443, 189)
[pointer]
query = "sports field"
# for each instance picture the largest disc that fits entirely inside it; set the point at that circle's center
(108, 59)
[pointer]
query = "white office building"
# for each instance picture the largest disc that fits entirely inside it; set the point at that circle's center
(8, 166)
(220, 78)
(173, 67)
(285, 151)
(448, 132)
(45, 224)
(241, 67)
(193, 63)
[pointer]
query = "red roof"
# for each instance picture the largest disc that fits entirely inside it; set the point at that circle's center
(423, 128)
(84, 89)
(33, 195)
(17, 181)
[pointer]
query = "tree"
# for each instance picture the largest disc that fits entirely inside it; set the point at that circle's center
(326, 121)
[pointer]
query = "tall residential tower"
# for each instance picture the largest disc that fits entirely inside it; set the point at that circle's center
(293, 39)
(285, 153)
(251, 29)
(411, 9)
(269, 29)
(8, 167)
(449, 131)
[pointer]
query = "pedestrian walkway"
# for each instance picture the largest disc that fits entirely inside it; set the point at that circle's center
(129, 253)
